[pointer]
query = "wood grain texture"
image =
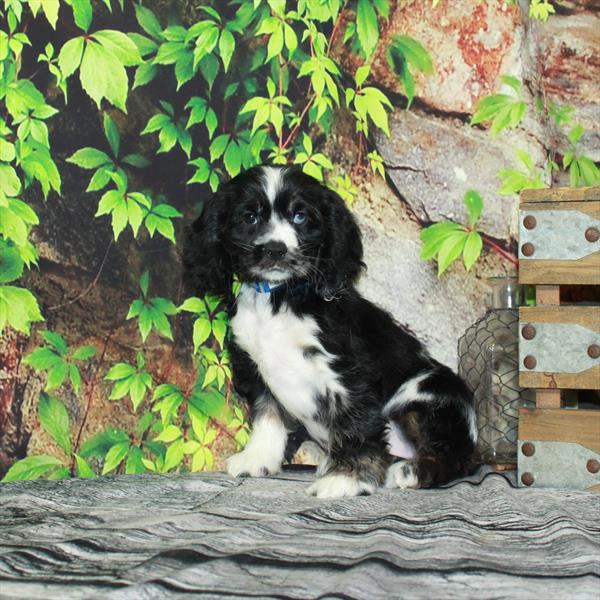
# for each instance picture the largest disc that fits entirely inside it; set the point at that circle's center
(583, 271)
(210, 536)
(547, 294)
(556, 425)
(548, 398)
(561, 194)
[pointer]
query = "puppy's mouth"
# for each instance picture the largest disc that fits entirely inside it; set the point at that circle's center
(273, 272)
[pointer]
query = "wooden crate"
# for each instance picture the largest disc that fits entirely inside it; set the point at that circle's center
(559, 345)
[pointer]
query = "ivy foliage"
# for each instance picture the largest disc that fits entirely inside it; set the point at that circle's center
(244, 83)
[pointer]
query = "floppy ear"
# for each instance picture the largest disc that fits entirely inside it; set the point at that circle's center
(206, 262)
(340, 257)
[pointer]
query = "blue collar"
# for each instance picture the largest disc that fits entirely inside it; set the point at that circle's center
(300, 287)
(264, 287)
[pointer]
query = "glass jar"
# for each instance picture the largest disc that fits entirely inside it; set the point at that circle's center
(488, 360)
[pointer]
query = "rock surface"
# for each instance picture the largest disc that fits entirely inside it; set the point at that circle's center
(211, 536)
(568, 53)
(433, 161)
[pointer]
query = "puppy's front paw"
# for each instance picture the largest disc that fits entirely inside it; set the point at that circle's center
(253, 463)
(339, 485)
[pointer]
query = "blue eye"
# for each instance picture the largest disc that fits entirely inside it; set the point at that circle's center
(299, 217)
(250, 218)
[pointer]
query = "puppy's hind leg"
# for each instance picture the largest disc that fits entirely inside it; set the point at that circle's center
(352, 471)
(435, 411)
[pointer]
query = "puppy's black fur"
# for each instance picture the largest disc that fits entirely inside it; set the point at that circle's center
(376, 371)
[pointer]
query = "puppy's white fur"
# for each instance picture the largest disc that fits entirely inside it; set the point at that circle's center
(277, 343)
(339, 485)
(264, 451)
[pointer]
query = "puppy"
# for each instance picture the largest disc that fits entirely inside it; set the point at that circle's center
(309, 351)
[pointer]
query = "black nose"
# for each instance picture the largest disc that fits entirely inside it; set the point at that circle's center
(275, 250)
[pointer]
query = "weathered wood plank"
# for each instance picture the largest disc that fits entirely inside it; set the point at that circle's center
(561, 194)
(164, 537)
(566, 425)
(569, 272)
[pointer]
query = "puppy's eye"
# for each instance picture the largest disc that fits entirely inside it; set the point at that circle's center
(299, 217)
(250, 218)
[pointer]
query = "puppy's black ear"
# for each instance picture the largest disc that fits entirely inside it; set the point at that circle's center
(341, 254)
(206, 263)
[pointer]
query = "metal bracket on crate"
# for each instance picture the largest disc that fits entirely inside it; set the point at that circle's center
(557, 464)
(557, 234)
(557, 348)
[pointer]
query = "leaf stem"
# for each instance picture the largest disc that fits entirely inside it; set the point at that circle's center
(509, 256)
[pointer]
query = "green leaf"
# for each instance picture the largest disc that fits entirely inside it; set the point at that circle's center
(194, 305)
(56, 375)
(112, 134)
(99, 444)
(148, 21)
(103, 75)
(75, 377)
(226, 47)
(70, 56)
(32, 467)
(119, 45)
(114, 457)
(56, 340)
(89, 158)
(219, 329)
(134, 464)
(201, 332)
(82, 13)
(11, 263)
(174, 455)
(10, 184)
(84, 353)
(18, 308)
(83, 468)
(218, 145)
(54, 419)
(450, 250)
(119, 371)
(367, 26)
(232, 159)
(169, 434)
(472, 249)
(474, 204)
(144, 282)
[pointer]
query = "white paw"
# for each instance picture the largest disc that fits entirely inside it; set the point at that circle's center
(401, 475)
(338, 485)
(253, 462)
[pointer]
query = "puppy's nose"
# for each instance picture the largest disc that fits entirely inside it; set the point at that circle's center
(275, 250)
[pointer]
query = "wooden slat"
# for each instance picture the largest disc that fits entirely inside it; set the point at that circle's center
(586, 380)
(561, 425)
(585, 270)
(590, 207)
(574, 272)
(548, 398)
(561, 194)
(588, 316)
(547, 294)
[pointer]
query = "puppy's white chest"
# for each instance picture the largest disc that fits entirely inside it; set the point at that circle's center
(289, 356)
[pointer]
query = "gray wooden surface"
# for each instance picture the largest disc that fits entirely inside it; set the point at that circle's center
(211, 536)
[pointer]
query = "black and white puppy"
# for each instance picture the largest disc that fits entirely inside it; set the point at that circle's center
(309, 351)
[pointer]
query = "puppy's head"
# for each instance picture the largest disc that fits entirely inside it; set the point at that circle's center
(273, 224)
